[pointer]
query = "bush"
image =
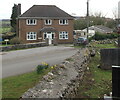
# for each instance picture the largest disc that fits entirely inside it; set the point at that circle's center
(102, 36)
(8, 35)
(15, 41)
(41, 67)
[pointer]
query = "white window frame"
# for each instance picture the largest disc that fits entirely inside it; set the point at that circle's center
(31, 22)
(46, 35)
(33, 34)
(63, 22)
(48, 22)
(62, 34)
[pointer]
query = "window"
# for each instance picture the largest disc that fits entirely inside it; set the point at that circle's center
(31, 36)
(63, 35)
(63, 22)
(48, 22)
(31, 21)
(45, 36)
(48, 35)
(53, 35)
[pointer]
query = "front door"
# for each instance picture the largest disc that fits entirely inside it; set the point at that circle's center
(49, 36)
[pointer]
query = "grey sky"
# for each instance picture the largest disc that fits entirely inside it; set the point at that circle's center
(78, 7)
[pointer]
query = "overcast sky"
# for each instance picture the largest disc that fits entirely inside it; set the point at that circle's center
(78, 7)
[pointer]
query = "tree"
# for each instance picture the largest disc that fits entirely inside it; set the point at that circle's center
(94, 19)
(14, 16)
(80, 24)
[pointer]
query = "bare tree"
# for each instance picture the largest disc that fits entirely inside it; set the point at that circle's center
(115, 12)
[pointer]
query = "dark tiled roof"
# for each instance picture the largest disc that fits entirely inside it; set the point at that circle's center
(101, 29)
(43, 11)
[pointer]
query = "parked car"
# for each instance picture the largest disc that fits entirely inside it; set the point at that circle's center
(82, 40)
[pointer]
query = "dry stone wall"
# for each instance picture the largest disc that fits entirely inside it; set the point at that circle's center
(23, 46)
(63, 80)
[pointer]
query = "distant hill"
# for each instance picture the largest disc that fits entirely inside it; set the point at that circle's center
(4, 19)
(5, 22)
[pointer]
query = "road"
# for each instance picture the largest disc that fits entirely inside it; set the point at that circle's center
(22, 61)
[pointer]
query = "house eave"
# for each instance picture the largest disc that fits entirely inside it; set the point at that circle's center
(45, 18)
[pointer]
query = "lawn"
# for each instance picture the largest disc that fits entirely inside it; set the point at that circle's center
(96, 82)
(15, 86)
(3, 29)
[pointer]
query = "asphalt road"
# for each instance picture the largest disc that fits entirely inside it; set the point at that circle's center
(22, 61)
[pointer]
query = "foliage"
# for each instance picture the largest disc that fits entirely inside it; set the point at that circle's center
(80, 24)
(111, 24)
(14, 16)
(15, 40)
(102, 36)
(96, 19)
(8, 35)
(5, 29)
(41, 67)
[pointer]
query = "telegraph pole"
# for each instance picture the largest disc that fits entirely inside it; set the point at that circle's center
(87, 18)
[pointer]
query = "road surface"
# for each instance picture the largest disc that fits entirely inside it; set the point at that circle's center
(22, 61)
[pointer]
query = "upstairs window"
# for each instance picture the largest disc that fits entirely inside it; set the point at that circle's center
(48, 22)
(31, 21)
(31, 36)
(63, 22)
(63, 35)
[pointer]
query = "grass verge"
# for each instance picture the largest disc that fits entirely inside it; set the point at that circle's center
(15, 86)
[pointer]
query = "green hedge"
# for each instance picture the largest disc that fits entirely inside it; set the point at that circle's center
(102, 36)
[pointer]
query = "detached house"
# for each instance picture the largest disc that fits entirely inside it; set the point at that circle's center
(45, 21)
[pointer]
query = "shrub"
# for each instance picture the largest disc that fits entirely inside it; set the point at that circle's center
(41, 67)
(15, 41)
(102, 36)
(8, 35)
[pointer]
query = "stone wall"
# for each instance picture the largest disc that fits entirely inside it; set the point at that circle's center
(23, 46)
(107, 41)
(63, 80)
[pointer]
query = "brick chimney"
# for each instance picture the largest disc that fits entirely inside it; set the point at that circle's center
(19, 9)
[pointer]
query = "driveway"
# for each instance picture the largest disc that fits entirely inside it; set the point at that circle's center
(22, 61)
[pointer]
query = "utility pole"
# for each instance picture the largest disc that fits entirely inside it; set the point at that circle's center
(87, 18)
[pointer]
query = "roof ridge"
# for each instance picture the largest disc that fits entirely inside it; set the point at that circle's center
(44, 5)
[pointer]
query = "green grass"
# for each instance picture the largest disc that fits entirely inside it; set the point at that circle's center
(15, 86)
(5, 45)
(96, 82)
(102, 79)
(3, 30)
(105, 45)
